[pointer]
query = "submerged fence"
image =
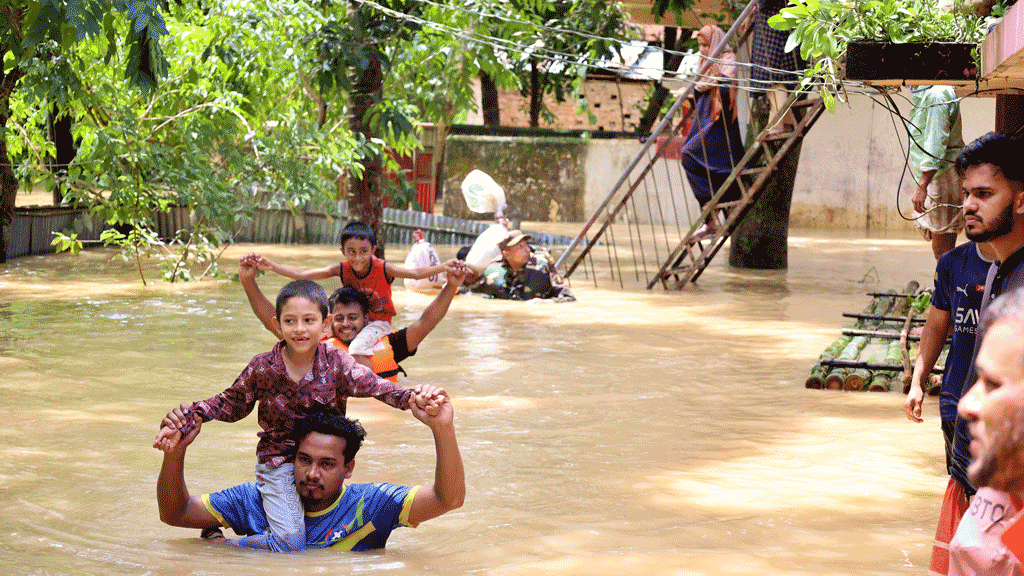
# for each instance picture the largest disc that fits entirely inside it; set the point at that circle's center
(280, 226)
(32, 228)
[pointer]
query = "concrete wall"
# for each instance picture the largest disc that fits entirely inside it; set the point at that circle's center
(542, 176)
(849, 174)
(852, 162)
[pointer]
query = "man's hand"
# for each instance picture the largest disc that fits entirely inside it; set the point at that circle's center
(247, 268)
(457, 273)
(915, 397)
(448, 491)
(919, 197)
(428, 399)
(431, 406)
(169, 437)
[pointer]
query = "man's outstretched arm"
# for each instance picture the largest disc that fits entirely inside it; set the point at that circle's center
(435, 312)
(449, 488)
(177, 508)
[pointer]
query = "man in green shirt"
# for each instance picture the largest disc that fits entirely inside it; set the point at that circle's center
(935, 141)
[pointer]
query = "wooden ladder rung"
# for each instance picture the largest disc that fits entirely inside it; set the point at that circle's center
(777, 136)
(674, 271)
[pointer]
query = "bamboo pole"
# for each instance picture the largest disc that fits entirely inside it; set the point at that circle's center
(837, 377)
(883, 305)
(816, 378)
(908, 370)
(880, 381)
(873, 353)
(880, 334)
(897, 381)
(879, 317)
(854, 364)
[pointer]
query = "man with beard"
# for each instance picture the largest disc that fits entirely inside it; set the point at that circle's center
(992, 171)
(346, 517)
(993, 409)
(959, 286)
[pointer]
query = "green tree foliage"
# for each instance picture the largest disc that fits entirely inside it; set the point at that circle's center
(571, 34)
(215, 106)
(38, 41)
(231, 126)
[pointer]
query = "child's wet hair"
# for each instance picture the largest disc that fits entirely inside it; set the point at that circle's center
(360, 230)
(305, 288)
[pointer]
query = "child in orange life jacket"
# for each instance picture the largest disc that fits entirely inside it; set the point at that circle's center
(362, 270)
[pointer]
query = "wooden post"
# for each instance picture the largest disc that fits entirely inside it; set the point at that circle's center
(1010, 113)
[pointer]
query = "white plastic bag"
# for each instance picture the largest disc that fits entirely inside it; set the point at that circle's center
(485, 248)
(421, 255)
(482, 193)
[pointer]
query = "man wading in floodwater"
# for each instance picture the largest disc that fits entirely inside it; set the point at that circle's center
(355, 517)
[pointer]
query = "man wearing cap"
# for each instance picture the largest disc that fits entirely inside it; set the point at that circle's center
(524, 272)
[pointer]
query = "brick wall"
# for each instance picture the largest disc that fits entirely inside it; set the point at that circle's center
(617, 105)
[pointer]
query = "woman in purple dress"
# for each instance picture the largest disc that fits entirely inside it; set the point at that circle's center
(713, 146)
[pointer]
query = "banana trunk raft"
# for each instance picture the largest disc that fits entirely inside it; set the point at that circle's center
(877, 354)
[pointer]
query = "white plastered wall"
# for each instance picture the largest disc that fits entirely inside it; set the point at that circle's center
(849, 173)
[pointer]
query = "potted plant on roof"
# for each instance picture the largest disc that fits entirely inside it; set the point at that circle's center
(883, 40)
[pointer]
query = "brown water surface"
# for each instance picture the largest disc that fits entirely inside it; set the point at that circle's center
(631, 432)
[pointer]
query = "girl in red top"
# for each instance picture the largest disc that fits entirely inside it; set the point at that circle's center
(365, 272)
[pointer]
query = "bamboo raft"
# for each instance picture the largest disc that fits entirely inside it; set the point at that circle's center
(877, 354)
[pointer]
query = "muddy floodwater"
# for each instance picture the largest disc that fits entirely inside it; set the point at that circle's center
(631, 432)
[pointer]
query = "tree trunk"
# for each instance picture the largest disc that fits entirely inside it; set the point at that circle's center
(59, 128)
(660, 92)
(8, 180)
(489, 100)
(365, 190)
(535, 93)
(760, 240)
(8, 80)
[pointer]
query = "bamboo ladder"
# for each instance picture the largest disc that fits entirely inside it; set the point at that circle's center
(762, 147)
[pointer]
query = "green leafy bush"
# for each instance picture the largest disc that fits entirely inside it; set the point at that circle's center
(822, 30)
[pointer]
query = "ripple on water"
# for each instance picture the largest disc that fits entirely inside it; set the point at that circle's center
(628, 432)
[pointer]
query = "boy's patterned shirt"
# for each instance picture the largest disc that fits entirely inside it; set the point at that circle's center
(334, 377)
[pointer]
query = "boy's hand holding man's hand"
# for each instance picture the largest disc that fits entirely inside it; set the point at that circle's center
(431, 406)
(428, 398)
(263, 263)
(247, 267)
(169, 436)
(457, 272)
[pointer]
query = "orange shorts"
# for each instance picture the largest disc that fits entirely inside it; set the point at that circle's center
(954, 505)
